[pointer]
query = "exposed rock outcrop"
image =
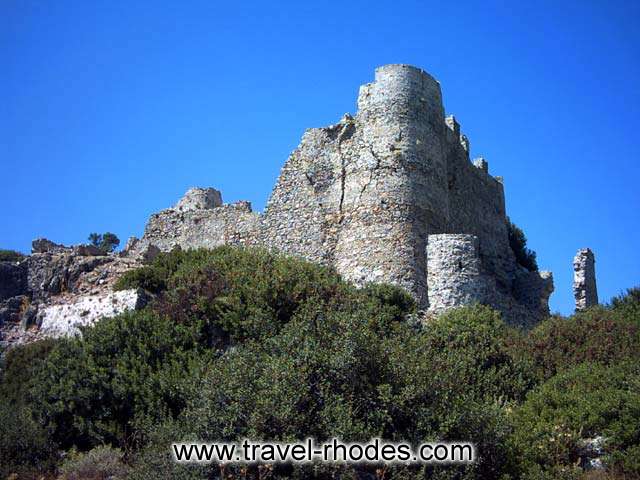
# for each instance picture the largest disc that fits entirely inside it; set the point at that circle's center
(57, 281)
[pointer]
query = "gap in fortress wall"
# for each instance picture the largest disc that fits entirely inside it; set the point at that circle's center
(387, 195)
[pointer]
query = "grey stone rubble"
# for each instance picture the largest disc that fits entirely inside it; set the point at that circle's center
(584, 279)
(368, 196)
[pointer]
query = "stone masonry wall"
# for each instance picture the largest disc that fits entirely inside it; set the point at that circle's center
(584, 279)
(454, 273)
(199, 220)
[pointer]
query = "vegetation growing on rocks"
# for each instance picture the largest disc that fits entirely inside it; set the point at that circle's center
(242, 343)
(10, 256)
(107, 242)
(518, 243)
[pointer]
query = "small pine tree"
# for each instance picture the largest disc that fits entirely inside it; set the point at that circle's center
(95, 239)
(518, 243)
(107, 242)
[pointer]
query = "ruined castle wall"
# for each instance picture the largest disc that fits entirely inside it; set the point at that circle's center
(454, 272)
(362, 195)
(476, 203)
(584, 279)
(302, 214)
(365, 194)
(233, 224)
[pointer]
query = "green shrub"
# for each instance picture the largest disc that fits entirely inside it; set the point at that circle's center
(334, 373)
(100, 463)
(518, 243)
(585, 402)
(10, 256)
(627, 305)
(238, 294)
(244, 343)
(596, 335)
(26, 447)
(93, 388)
(19, 367)
(154, 277)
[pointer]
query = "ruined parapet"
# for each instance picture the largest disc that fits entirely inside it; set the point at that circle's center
(584, 279)
(199, 199)
(481, 164)
(198, 220)
(531, 290)
(454, 273)
(44, 245)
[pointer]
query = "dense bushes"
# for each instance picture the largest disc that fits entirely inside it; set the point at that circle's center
(590, 402)
(25, 445)
(10, 256)
(518, 242)
(596, 335)
(128, 367)
(19, 367)
(241, 343)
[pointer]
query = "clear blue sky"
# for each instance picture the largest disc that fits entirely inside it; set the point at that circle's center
(110, 110)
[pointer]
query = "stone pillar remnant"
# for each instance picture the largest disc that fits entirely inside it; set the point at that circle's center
(584, 279)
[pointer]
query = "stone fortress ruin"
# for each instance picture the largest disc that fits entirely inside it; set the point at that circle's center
(388, 195)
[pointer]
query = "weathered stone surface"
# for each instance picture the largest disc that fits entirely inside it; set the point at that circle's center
(59, 276)
(11, 309)
(198, 222)
(88, 251)
(129, 246)
(454, 272)
(584, 279)
(52, 274)
(13, 279)
(64, 319)
(199, 199)
(43, 245)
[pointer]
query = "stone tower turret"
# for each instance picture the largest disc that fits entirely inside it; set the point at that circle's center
(396, 180)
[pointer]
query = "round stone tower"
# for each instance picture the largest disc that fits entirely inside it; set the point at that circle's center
(394, 180)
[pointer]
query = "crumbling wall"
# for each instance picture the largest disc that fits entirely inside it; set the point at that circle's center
(476, 204)
(199, 220)
(584, 279)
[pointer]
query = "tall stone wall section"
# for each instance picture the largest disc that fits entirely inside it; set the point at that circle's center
(362, 195)
(584, 279)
